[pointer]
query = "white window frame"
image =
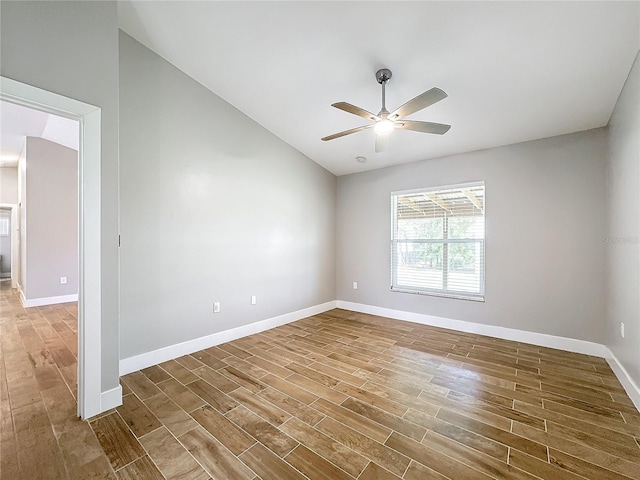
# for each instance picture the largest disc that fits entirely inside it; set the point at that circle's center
(479, 297)
(4, 226)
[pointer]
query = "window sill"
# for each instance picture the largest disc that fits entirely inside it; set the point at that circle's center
(460, 296)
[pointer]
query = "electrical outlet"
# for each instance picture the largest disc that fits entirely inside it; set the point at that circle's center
(63, 280)
(355, 285)
(216, 307)
(622, 329)
(254, 300)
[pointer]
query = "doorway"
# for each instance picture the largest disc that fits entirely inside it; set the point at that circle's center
(5, 244)
(89, 231)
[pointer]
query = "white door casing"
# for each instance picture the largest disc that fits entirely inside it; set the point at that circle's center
(89, 241)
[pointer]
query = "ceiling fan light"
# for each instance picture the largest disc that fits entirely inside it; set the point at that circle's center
(384, 127)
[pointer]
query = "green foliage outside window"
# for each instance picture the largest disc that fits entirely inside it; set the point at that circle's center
(462, 256)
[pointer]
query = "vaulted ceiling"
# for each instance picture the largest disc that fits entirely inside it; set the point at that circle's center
(514, 71)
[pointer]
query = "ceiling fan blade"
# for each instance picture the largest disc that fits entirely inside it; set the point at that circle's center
(346, 132)
(382, 142)
(361, 112)
(424, 127)
(418, 103)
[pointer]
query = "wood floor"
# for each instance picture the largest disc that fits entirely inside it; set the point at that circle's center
(336, 396)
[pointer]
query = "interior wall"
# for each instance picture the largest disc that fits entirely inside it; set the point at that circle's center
(51, 205)
(213, 208)
(545, 220)
(9, 185)
(71, 48)
(623, 233)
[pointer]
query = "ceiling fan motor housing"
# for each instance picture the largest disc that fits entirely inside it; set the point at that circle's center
(383, 75)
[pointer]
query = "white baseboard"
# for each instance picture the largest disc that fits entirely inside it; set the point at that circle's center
(39, 302)
(541, 339)
(625, 379)
(111, 399)
(138, 362)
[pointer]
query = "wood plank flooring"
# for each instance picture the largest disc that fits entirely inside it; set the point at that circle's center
(40, 434)
(340, 395)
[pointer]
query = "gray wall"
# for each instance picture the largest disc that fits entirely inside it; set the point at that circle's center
(51, 230)
(213, 208)
(9, 185)
(545, 218)
(622, 242)
(71, 48)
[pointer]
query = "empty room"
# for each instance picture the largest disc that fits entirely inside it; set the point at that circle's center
(368, 240)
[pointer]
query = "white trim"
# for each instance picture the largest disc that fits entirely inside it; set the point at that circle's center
(89, 231)
(541, 339)
(38, 302)
(90, 266)
(144, 360)
(15, 242)
(625, 379)
(111, 399)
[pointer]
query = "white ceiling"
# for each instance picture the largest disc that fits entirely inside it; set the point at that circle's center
(18, 122)
(514, 71)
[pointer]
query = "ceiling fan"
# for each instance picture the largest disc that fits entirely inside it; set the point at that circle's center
(386, 121)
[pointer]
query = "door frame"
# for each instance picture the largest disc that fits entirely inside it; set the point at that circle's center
(13, 240)
(89, 231)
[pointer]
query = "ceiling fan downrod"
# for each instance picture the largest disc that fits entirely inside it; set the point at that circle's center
(383, 76)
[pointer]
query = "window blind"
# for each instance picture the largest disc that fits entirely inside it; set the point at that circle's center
(437, 241)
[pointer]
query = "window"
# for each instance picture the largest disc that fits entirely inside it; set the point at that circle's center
(437, 241)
